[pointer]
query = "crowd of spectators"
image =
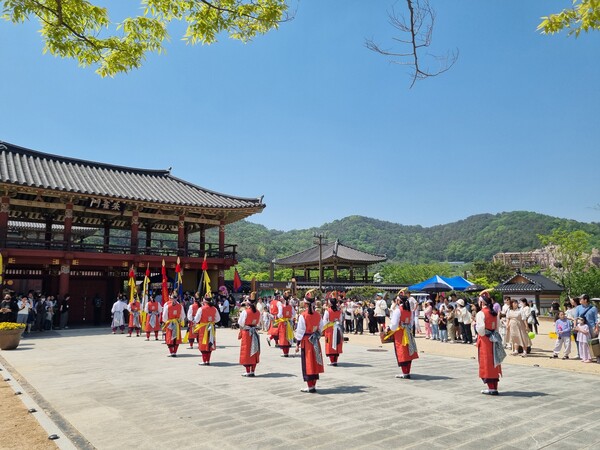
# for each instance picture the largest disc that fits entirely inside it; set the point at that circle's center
(39, 312)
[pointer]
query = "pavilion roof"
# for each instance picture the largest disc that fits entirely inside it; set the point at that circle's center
(331, 253)
(25, 167)
(529, 282)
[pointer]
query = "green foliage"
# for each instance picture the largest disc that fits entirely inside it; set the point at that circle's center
(82, 31)
(586, 282)
(490, 273)
(476, 238)
(569, 249)
(407, 273)
(583, 16)
(364, 293)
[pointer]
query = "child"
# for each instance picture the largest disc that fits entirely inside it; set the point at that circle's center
(450, 324)
(583, 336)
(266, 320)
(563, 332)
(435, 325)
(443, 327)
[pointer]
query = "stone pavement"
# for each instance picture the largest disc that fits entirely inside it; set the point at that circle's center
(111, 392)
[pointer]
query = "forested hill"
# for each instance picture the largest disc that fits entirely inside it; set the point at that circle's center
(474, 238)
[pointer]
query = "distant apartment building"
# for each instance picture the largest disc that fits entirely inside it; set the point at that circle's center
(542, 258)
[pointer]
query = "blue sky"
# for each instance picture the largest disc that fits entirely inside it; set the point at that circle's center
(324, 128)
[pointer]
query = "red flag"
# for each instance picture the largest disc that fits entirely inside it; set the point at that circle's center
(237, 281)
(165, 289)
(204, 263)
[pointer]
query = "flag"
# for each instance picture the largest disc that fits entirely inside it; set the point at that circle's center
(204, 283)
(179, 282)
(237, 281)
(165, 289)
(145, 286)
(131, 284)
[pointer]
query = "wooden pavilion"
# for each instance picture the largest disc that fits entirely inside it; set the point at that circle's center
(334, 257)
(75, 226)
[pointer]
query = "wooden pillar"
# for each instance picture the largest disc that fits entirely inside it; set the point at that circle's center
(351, 274)
(366, 280)
(335, 273)
(48, 233)
(63, 279)
(4, 209)
(307, 274)
(221, 279)
(222, 240)
(135, 228)
(148, 237)
(202, 240)
(181, 236)
(106, 242)
(68, 224)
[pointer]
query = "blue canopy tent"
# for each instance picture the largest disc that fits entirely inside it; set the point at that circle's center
(439, 284)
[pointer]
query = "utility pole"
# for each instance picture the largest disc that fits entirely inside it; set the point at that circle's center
(319, 237)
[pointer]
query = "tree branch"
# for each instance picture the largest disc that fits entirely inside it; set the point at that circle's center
(419, 30)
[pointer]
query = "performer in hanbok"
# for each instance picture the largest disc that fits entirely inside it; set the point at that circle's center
(308, 334)
(490, 349)
(173, 316)
(206, 317)
(191, 318)
(118, 318)
(250, 346)
(285, 315)
(273, 333)
(153, 314)
(135, 321)
(333, 331)
(405, 346)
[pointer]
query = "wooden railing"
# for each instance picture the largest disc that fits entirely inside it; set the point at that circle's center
(157, 248)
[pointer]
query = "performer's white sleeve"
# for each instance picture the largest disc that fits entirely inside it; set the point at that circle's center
(217, 316)
(165, 314)
(325, 319)
(480, 323)
(182, 315)
(198, 315)
(242, 319)
(190, 314)
(395, 319)
(300, 329)
(279, 310)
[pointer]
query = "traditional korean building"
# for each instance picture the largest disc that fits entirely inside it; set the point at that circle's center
(532, 286)
(75, 226)
(330, 257)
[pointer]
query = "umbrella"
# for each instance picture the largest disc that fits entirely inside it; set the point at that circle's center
(433, 284)
(475, 288)
(436, 284)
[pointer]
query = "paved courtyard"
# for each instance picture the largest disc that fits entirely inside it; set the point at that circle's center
(110, 391)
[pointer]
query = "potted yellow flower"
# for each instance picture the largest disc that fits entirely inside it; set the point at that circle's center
(10, 335)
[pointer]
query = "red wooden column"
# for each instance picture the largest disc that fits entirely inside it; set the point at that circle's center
(222, 240)
(135, 228)
(181, 236)
(202, 240)
(221, 252)
(68, 224)
(4, 209)
(64, 278)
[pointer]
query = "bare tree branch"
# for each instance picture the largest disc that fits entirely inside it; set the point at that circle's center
(416, 32)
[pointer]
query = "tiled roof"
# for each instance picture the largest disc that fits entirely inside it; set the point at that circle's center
(21, 166)
(537, 283)
(329, 253)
